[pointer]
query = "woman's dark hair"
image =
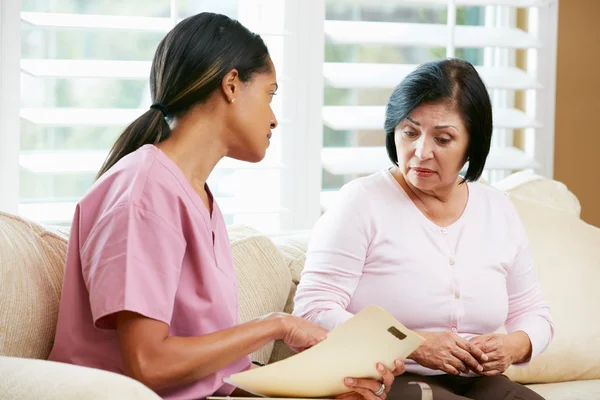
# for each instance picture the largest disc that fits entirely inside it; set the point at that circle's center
(457, 82)
(189, 64)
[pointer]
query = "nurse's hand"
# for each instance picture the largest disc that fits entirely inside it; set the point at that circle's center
(298, 333)
(371, 389)
(301, 334)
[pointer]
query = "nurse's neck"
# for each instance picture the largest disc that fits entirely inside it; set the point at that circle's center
(196, 144)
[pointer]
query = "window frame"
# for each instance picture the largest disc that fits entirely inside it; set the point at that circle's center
(10, 56)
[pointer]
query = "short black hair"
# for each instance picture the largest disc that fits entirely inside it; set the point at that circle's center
(457, 82)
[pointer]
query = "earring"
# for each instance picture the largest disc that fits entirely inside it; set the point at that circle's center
(233, 100)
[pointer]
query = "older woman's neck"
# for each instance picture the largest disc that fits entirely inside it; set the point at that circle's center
(443, 194)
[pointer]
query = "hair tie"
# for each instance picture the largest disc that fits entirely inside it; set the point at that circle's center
(163, 109)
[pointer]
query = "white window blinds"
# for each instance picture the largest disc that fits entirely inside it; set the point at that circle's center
(371, 45)
(84, 77)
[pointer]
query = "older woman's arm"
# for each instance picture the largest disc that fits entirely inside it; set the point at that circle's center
(528, 310)
(335, 259)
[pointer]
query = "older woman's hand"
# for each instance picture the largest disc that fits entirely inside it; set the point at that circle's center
(367, 389)
(503, 350)
(448, 352)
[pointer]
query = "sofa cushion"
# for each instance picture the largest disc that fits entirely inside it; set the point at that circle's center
(281, 350)
(40, 379)
(579, 390)
(263, 277)
(31, 272)
(293, 247)
(567, 260)
(534, 187)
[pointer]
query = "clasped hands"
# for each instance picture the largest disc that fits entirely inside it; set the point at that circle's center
(486, 355)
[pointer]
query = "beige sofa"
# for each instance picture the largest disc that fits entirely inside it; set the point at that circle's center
(566, 250)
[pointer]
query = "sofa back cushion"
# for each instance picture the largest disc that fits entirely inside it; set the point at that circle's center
(566, 253)
(263, 276)
(293, 247)
(528, 185)
(31, 271)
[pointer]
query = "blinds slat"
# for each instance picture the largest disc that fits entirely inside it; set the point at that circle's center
(86, 68)
(60, 212)
(373, 117)
(509, 3)
(112, 22)
(343, 160)
(88, 116)
(116, 69)
(388, 76)
(88, 21)
(67, 162)
(433, 35)
(81, 116)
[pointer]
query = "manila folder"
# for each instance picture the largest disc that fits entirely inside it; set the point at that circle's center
(353, 349)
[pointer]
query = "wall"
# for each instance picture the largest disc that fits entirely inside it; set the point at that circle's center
(577, 138)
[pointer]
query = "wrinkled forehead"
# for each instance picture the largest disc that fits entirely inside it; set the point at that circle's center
(444, 113)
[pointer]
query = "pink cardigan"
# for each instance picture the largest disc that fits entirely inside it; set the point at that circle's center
(472, 277)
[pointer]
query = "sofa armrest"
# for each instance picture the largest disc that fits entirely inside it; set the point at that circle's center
(24, 379)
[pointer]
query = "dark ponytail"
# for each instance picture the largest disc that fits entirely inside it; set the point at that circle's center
(150, 128)
(188, 66)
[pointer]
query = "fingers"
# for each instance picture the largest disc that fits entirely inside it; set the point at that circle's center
(449, 369)
(471, 348)
(481, 338)
(368, 387)
(369, 384)
(365, 387)
(301, 334)
(317, 333)
(495, 365)
(321, 332)
(346, 395)
(459, 365)
(400, 368)
(477, 341)
(386, 376)
(491, 345)
(493, 372)
(467, 359)
(494, 356)
(486, 343)
(369, 395)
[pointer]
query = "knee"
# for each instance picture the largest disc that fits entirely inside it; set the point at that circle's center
(410, 391)
(501, 387)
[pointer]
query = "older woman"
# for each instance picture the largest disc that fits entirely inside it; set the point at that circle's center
(447, 256)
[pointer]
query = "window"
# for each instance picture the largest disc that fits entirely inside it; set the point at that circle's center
(372, 45)
(84, 70)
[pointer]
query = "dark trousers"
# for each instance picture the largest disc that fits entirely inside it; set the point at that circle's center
(449, 387)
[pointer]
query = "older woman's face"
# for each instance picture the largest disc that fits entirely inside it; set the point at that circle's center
(431, 144)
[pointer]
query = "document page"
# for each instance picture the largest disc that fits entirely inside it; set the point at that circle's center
(353, 349)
